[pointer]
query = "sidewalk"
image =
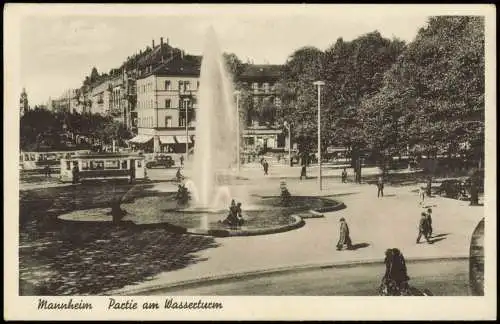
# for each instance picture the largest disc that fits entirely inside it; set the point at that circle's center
(375, 223)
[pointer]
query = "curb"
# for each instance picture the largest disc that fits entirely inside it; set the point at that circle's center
(192, 283)
(297, 223)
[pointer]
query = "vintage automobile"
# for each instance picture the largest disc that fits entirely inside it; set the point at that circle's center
(165, 161)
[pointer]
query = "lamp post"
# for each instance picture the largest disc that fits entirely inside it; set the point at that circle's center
(288, 126)
(237, 94)
(187, 133)
(319, 84)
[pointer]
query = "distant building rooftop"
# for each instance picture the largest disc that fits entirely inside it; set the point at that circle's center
(261, 72)
(188, 66)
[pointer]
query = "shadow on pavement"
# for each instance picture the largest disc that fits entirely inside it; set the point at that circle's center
(359, 246)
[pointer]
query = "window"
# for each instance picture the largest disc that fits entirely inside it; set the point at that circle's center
(182, 120)
(187, 85)
(168, 121)
(179, 84)
(85, 165)
(167, 103)
(139, 164)
(96, 165)
(112, 164)
(167, 85)
(68, 165)
(255, 86)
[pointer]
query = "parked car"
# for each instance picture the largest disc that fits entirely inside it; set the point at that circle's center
(161, 161)
(452, 189)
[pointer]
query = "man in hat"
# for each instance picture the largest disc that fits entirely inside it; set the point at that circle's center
(344, 239)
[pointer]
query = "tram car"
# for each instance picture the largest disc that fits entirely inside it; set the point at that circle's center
(102, 166)
(40, 160)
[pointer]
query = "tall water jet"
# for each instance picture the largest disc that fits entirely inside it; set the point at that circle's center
(216, 130)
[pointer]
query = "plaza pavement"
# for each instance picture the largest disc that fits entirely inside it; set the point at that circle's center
(375, 225)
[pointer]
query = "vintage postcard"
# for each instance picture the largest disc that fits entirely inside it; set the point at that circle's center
(234, 162)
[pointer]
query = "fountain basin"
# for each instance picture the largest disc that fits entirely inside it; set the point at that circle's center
(266, 215)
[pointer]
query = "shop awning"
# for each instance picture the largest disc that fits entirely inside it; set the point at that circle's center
(183, 139)
(141, 139)
(167, 139)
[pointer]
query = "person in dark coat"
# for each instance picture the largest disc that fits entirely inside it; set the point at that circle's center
(344, 176)
(182, 159)
(429, 221)
(266, 167)
(75, 173)
(303, 172)
(395, 280)
(344, 238)
(423, 228)
(380, 187)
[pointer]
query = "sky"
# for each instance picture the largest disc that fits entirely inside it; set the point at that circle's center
(60, 49)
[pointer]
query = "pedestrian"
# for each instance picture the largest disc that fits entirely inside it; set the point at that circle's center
(178, 175)
(182, 160)
(421, 194)
(395, 280)
(423, 228)
(266, 167)
(303, 172)
(429, 221)
(75, 173)
(344, 237)
(429, 186)
(344, 176)
(380, 187)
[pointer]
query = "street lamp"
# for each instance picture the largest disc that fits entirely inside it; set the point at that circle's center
(237, 94)
(187, 132)
(319, 84)
(288, 126)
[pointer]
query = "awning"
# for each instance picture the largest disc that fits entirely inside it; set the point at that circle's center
(141, 139)
(167, 139)
(183, 139)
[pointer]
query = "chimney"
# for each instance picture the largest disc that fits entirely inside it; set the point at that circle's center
(153, 43)
(161, 42)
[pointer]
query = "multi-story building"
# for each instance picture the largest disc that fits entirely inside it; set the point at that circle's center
(166, 105)
(260, 82)
(67, 102)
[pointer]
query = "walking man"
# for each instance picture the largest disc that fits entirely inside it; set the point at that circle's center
(75, 172)
(429, 221)
(344, 237)
(266, 167)
(303, 172)
(182, 160)
(423, 228)
(344, 176)
(380, 187)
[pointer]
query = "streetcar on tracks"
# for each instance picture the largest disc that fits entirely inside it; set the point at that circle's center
(103, 166)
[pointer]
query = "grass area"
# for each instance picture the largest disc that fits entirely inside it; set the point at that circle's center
(55, 260)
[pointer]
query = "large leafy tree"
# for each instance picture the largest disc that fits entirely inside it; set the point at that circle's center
(298, 95)
(434, 92)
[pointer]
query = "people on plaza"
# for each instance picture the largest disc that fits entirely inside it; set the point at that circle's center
(303, 172)
(266, 167)
(47, 171)
(380, 187)
(182, 159)
(429, 187)
(395, 279)
(421, 194)
(344, 176)
(423, 228)
(429, 221)
(75, 172)
(178, 175)
(344, 237)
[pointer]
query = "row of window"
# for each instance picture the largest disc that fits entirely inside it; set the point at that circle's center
(149, 104)
(181, 86)
(148, 122)
(103, 165)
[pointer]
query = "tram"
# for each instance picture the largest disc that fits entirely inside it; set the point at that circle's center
(40, 160)
(101, 166)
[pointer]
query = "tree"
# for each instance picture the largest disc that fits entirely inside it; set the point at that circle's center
(298, 95)
(234, 66)
(436, 88)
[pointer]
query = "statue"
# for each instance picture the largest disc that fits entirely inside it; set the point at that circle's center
(182, 195)
(285, 194)
(235, 218)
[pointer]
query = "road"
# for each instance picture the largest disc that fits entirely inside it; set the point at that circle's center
(442, 278)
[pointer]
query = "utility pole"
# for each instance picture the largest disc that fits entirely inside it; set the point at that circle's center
(319, 84)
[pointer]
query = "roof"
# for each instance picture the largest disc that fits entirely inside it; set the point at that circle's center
(188, 66)
(260, 72)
